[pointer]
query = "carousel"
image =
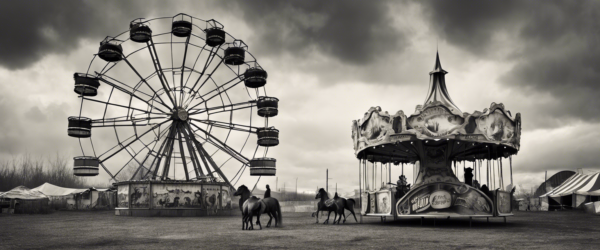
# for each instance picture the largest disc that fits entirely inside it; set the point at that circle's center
(174, 103)
(459, 160)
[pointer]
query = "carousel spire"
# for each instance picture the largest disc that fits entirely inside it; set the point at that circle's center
(437, 88)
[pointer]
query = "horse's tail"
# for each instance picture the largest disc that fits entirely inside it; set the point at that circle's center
(278, 208)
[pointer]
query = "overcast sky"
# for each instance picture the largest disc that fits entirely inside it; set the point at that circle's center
(328, 63)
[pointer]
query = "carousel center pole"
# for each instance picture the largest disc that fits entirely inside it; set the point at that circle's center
(511, 177)
(360, 188)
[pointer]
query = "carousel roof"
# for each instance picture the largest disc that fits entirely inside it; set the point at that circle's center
(438, 93)
(490, 134)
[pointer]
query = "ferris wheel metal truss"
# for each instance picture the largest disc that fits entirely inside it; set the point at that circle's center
(179, 116)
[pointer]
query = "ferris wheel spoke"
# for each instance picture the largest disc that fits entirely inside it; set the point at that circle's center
(124, 122)
(223, 108)
(214, 165)
(120, 143)
(102, 78)
(209, 60)
(132, 141)
(192, 151)
(132, 159)
(147, 84)
(182, 153)
(150, 150)
(159, 155)
(108, 172)
(193, 68)
(169, 151)
(221, 145)
(204, 97)
(187, 42)
(121, 106)
(159, 69)
(225, 125)
(193, 145)
(205, 156)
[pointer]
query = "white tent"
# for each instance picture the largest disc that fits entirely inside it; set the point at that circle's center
(23, 193)
(53, 190)
(76, 198)
(24, 200)
(592, 208)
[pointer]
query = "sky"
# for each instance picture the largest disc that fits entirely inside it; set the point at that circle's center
(328, 63)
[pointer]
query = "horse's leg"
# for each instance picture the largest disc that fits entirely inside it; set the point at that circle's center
(243, 222)
(354, 214)
(335, 217)
(327, 220)
(270, 218)
(344, 213)
(258, 220)
(317, 215)
(250, 224)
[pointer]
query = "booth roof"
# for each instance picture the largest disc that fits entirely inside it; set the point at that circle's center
(23, 193)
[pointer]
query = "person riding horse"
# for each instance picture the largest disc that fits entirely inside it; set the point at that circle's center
(268, 192)
(402, 187)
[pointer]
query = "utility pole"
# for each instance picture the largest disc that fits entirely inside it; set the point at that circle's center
(276, 183)
(296, 188)
(327, 181)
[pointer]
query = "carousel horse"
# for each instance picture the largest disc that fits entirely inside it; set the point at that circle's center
(336, 205)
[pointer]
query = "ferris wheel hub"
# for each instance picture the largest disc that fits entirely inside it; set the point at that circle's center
(180, 114)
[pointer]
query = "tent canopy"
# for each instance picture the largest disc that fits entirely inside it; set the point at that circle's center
(582, 184)
(553, 182)
(23, 193)
(53, 190)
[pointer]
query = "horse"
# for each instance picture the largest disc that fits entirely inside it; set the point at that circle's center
(336, 205)
(245, 195)
(269, 206)
(251, 205)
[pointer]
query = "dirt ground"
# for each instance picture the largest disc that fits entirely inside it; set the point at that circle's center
(103, 230)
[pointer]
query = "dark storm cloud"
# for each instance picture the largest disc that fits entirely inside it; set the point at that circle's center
(33, 29)
(552, 43)
(354, 32)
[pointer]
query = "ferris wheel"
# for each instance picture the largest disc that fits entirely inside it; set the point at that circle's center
(174, 105)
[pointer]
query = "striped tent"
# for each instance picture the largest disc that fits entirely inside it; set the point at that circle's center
(581, 184)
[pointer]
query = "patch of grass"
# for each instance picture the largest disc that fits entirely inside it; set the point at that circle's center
(104, 230)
